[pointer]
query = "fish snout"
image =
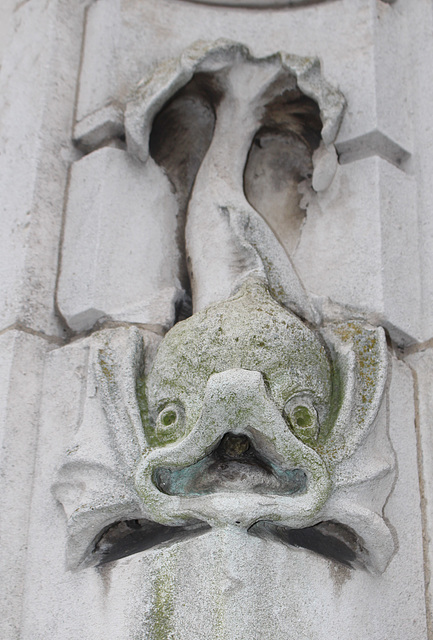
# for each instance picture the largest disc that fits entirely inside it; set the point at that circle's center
(240, 463)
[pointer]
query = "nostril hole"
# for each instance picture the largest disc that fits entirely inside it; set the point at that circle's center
(235, 445)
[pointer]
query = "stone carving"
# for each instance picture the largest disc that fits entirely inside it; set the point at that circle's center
(254, 412)
(228, 107)
(256, 129)
(250, 420)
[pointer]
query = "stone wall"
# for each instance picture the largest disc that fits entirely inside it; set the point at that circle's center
(216, 320)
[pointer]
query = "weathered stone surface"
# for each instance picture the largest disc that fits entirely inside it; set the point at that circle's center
(422, 366)
(381, 107)
(37, 85)
(120, 258)
(367, 129)
(21, 366)
(281, 106)
(256, 3)
(420, 22)
(363, 247)
(53, 597)
(358, 247)
(223, 584)
(6, 25)
(351, 39)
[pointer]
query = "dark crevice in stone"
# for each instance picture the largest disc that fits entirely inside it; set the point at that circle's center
(181, 135)
(234, 466)
(329, 539)
(128, 537)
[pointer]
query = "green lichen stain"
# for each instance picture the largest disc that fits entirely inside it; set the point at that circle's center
(335, 403)
(303, 417)
(366, 345)
(162, 612)
(106, 364)
(366, 349)
(142, 400)
(304, 425)
(153, 437)
(249, 331)
(169, 418)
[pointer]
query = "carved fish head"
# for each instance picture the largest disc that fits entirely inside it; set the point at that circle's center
(249, 332)
(237, 399)
(248, 412)
(250, 419)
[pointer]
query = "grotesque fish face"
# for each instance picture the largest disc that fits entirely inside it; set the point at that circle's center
(248, 420)
(250, 332)
(238, 399)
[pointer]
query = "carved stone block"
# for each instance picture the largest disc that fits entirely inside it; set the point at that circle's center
(357, 247)
(21, 371)
(156, 592)
(120, 258)
(262, 420)
(37, 89)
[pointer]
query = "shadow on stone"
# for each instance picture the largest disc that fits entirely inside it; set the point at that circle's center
(127, 537)
(331, 540)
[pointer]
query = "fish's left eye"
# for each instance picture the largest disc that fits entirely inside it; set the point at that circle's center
(302, 417)
(168, 417)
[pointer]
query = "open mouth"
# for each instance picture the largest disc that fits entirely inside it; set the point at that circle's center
(128, 537)
(234, 465)
(331, 540)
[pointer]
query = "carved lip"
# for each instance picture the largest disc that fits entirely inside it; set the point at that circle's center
(128, 537)
(233, 466)
(328, 539)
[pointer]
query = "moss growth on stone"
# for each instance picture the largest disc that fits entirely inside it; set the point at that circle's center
(249, 331)
(161, 618)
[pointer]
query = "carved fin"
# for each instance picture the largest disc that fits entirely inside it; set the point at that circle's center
(361, 360)
(118, 356)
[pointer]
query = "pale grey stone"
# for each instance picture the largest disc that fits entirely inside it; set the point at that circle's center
(325, 163)
(245, 89)
(373, 143)
(208, 409)
(6, 24)
(214, 585)
(57, 604)
(384, 56)
(201, 586)
(99, 127)
(358, 247)
(422, 366)
(263, 4)
(362, 245)
(21, 367)
(37, 88)
(347, 37)
(120, 258)
(419, 21)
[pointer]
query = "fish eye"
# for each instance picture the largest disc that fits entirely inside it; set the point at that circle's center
(168, 417)
(170, 423)
(302, 417)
